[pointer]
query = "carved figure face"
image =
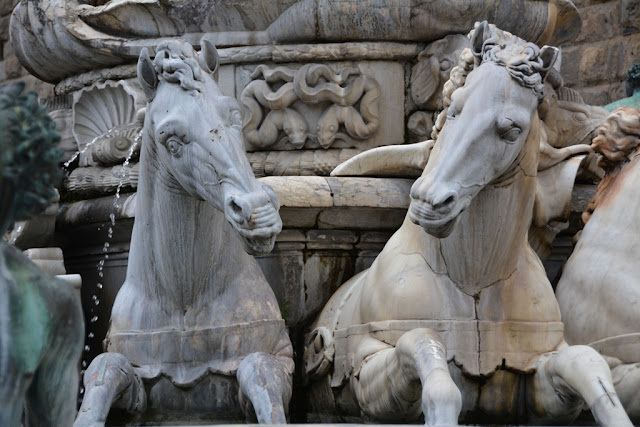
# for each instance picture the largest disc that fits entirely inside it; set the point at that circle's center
(199, 146)
(487, 125)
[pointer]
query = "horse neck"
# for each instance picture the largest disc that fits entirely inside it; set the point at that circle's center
(491, 234)
(178, 243)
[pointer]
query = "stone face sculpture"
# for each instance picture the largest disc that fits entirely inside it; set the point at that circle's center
(602, 275)
(41, 326)
(457, 310)
(196, 333)
(431, 72)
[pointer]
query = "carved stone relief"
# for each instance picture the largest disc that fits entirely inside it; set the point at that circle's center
(96, 179)
(104, 122)
(431, 72)
(337, 105)
(348, 103)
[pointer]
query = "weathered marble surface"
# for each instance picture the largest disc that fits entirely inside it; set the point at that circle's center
(76, 37)
(195, 331)
(457, 310)
(602, 274)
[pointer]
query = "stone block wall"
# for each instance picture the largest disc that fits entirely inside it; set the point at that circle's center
(10, 68)
(596, 63)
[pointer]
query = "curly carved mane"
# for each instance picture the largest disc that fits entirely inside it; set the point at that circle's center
(521, 59)
(177, 62)
(618, 139)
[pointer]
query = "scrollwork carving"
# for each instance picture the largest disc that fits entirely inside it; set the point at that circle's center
(347, 101)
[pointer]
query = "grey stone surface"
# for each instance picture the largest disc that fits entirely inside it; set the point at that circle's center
(195, 312)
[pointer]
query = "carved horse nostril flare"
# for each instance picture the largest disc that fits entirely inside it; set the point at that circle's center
(443, 200)
(238, 209)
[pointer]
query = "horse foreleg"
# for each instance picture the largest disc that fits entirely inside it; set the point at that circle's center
(626, 379)
(399, 383)
(110, 381)
(573, 375)
(265, 388)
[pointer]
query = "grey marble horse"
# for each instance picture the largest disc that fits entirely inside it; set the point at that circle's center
(196, 333)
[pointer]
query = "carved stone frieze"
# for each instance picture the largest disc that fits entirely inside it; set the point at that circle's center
(340, 105)
(101, 180)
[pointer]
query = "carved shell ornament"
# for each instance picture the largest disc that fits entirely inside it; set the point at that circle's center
(104, 123)
(346, 100)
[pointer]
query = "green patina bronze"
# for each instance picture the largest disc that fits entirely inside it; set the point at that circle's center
(632, 88)
(41, 329)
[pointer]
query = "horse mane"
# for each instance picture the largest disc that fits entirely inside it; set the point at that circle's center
(617, 141)
(177, 62)
(521, 59)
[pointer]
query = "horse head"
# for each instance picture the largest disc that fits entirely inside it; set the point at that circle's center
(488, 122)
(195, 137)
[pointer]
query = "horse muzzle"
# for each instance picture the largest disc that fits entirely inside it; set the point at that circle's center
(438, 210)
(256, 219)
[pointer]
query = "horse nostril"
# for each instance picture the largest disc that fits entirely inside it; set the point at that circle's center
(444, 200)
(238, 209)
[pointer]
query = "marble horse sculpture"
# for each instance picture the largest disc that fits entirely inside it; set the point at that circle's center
(602, 275)
(41, 325)
(456, 314)
(196, 333)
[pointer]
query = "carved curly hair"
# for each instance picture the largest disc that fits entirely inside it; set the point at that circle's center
(28, 155)
(618, 136)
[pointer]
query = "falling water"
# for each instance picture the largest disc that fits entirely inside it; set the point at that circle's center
(110, 132)
(112, 221)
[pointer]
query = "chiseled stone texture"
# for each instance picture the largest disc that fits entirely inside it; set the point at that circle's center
(596, 62)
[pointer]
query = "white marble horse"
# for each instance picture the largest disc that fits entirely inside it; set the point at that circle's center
(599, 290)
(456, 314)
(196, 333)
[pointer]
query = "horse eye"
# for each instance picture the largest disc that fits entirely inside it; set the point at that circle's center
(174, 145)
(511, 135)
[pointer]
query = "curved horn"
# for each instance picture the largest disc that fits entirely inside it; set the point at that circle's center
(392, 160)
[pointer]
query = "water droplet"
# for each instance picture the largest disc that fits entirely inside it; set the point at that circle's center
(87, 348)
(97, 302)
(84, 363)
(94, 319)
(100, 274)
(94, 297)
(99, 285)
(91, 335)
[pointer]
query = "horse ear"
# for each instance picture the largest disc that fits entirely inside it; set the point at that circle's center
(481, 33)
(147, 74)
(548, 54)
(209, 58)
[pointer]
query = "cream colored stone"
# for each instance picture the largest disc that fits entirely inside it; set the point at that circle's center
(599, 290)
(302, 191)
(458, 282)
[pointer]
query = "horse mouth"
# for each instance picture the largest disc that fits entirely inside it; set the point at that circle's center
(257, 227)
(438, 224)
